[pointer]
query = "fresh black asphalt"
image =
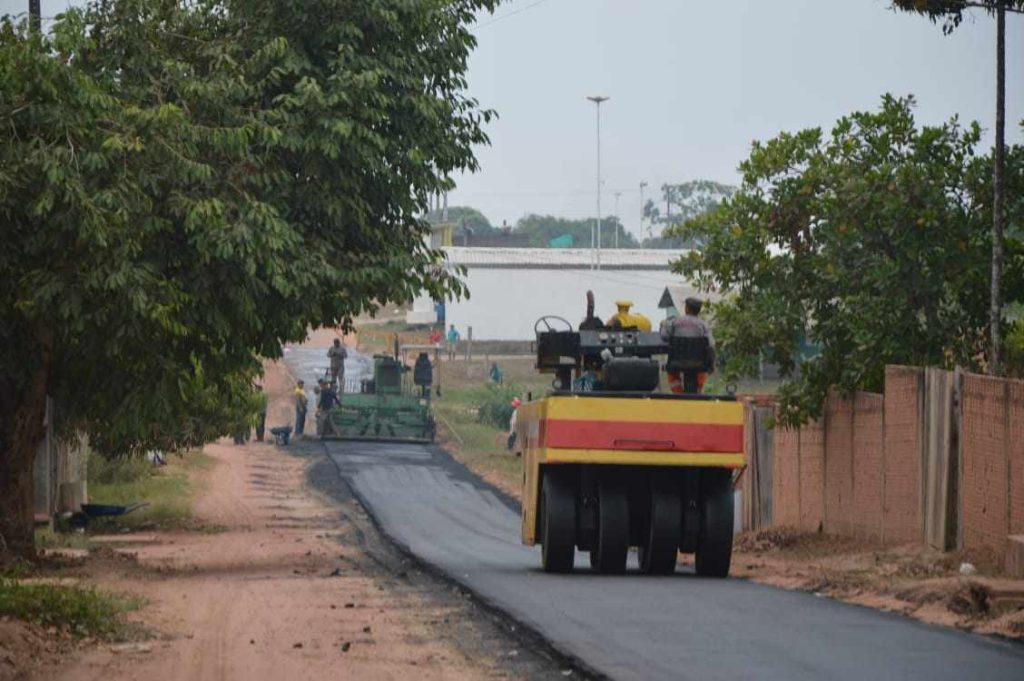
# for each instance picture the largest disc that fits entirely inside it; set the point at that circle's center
(638, 627)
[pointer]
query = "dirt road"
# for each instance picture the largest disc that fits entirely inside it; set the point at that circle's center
(293, 587)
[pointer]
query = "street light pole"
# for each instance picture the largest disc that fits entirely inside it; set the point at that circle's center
(597, 222)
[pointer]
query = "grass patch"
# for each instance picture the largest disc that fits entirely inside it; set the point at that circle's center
(169, 490)
(479, 445)
(48, 539)
(82, 611)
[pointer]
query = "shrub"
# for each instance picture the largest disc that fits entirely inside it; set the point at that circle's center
(496, 407)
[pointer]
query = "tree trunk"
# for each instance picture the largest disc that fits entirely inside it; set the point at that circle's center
(998, 216)
(24, 428)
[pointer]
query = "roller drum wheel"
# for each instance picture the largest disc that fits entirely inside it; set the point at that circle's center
(612, 546)
(558, 521)
(663, 528)
(714, 546)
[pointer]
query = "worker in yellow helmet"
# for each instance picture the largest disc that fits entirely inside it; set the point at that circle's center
(623, 319)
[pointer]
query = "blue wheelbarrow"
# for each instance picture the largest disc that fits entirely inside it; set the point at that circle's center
(94, 511)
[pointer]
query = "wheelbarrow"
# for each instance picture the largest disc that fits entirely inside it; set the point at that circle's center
(94, 511)
(281, 434)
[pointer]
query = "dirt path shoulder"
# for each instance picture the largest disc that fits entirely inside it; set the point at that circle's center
(296, 586)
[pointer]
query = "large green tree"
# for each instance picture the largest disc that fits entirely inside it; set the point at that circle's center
(871, 242)
(184, 186)
(951, 13)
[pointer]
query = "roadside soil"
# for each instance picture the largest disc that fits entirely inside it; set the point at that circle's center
(296, 586)
(908, 579)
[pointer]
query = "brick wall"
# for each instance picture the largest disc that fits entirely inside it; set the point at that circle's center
(812, 476)
(901, 469)
(785, 471)
(860, 470)
(866, 520)
(986, 475)
(850, 473)
(1016, 482)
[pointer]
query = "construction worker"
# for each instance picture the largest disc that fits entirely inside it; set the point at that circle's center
(623, 319)
(689, 325)
(453, 341)
(337, 354)
(326, 400)
(301, 405)
(513, 418)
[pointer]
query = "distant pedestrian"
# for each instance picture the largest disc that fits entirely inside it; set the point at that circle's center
(453, 341)
(261, 418)
(337, 354)
(301, 405)
(496, 374)
(435, 336)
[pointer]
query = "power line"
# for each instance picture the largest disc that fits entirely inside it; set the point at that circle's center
(509, 14)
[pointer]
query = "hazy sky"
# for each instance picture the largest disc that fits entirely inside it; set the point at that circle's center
(692, 83)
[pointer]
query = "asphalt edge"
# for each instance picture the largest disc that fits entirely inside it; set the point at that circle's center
(523, 631)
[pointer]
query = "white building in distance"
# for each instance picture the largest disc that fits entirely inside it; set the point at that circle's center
(510, 288)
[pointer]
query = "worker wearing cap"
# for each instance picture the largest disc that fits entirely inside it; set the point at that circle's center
(623, 319)
(689, 325)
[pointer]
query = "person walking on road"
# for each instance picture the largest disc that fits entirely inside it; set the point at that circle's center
(337, 354)
(301, 405)
(453, 341)
(435, 336)
(689, 325)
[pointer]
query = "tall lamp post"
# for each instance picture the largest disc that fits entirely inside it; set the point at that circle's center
(597, 222)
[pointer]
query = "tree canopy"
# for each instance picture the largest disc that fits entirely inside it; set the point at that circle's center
(871, 241)
(467, 219)
(541, 229)
(682, 202)
(185, 186)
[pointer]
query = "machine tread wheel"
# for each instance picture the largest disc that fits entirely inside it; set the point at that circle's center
(558, 521)
(714, 546)
(662, 530)
(611, 548)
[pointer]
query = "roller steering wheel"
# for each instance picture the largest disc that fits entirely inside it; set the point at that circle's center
(547, 324)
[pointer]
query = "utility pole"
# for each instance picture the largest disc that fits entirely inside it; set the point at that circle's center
(998, 217)
(642, 206)
(617, 221)
(597, 221)
(35, 15)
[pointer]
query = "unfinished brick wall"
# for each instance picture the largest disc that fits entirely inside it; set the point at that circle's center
(859, 470)
(850, 473)
(786, 474)
(839, 509)
(985, 519)
(901, 469)
(812, 476)
(1016, 482)
(866, 520)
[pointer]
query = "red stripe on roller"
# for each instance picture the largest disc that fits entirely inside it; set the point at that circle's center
(675, 437)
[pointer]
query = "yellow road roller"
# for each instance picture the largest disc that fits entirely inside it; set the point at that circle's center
(610, 463)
